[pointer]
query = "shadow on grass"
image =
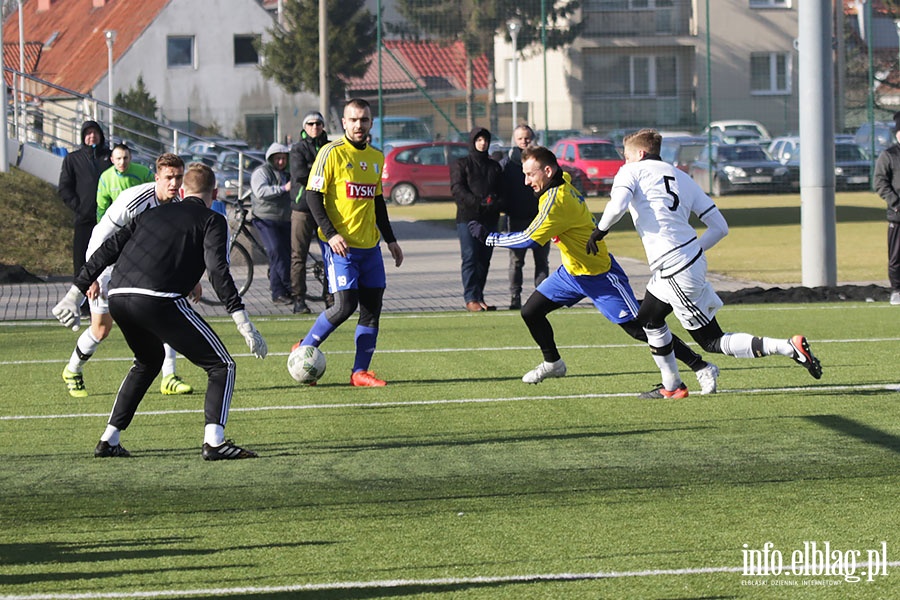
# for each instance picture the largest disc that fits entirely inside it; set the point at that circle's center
(860, 431)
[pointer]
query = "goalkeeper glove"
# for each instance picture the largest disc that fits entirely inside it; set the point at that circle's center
(68, 310)
(596, 236)
(478, 231)
(254, 338)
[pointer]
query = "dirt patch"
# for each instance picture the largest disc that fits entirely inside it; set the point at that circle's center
(17, 274)
(840, 293)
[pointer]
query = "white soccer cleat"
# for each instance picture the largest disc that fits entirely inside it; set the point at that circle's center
(707, 377)
(545, 370)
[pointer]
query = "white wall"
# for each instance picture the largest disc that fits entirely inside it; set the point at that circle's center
(215, 90)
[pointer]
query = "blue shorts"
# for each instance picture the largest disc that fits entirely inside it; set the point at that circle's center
(610, 292)
(361, 268)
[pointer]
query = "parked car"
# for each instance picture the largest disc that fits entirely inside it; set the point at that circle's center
(216, 145)
(884, 136)
(597, 158)
(210, 159)
(681, 151)
(229, 174)
(734, 131)
(851, 166)
(418, 171)
(744, 167)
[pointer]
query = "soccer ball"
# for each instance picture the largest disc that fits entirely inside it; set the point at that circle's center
(306, 364)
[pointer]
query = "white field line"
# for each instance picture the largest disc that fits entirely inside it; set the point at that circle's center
(816, 342)
(392, 583)
(405, 403)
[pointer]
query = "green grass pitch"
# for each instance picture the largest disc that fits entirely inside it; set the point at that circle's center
(457, 480)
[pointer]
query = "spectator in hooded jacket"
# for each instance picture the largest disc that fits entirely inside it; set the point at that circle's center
(303, 224)
(476, 181)
(887, 184)
(270, 199)
(78, 180)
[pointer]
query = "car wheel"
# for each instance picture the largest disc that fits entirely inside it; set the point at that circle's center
(404, 194)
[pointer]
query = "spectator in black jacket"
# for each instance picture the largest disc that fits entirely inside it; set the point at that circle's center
(521, 207)
(887, 184)
(78, 179)
(159, 258)
(476, 183)
(303, 224)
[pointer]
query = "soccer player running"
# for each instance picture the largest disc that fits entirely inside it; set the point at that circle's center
(127, 205)
(159, 258)
(564, 217)
(661, 199)
(344, 195)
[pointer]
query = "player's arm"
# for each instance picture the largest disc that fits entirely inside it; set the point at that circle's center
(716, 227)
(616, 208)
(106, 254)
(215, 256)
(104, 198)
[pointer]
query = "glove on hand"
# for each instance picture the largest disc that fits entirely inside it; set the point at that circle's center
(254, 338)
(596, 236)
(68, 311)
(478, 231)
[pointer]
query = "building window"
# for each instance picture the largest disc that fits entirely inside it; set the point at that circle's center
(770, 3)
(180, 51)
(634, 76)
(245, 49)
(770, 73)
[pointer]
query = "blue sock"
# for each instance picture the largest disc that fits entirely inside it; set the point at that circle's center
(319, 332)
(365, 347)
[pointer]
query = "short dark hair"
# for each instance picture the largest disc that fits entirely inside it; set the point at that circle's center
(169, 160)
(199, 179)
(121, 146)
(542, 155)
(647, 140)
(358, 103)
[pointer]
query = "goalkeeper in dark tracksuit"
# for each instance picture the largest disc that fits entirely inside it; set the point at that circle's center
(159, 258)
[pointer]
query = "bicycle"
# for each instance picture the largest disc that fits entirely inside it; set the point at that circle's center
(241, 260)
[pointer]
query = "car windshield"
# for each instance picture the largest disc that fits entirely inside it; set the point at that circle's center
(729, 153)
(846, 152)
(598, 152)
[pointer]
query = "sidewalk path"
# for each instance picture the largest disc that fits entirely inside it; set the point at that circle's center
(428, 280)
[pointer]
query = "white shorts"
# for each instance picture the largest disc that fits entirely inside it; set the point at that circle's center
(100, 304)
(693, 300)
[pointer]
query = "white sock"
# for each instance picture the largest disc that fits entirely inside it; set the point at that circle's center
(738, 345)
(85, 346)
(668, 368)
(168, 367)
(214, 434)
(776, 346)
(110, 436)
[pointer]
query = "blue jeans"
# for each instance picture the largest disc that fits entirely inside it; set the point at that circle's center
(276, 238)
(476, 260)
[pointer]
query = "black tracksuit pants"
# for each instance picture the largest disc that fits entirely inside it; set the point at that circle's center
(147, 322)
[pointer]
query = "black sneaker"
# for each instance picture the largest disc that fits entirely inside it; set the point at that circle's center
(227, 451)
(804, 356)
(300, 308)
(661, 392)
(515, 302)
(104, 450)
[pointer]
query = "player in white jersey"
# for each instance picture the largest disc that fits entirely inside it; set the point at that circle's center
(127, 205)
(661, 199)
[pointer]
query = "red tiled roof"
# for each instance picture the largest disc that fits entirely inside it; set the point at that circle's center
(31, 53)
(77, 58)
(434, 66)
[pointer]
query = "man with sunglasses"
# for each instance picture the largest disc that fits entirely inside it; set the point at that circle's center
(303, 224)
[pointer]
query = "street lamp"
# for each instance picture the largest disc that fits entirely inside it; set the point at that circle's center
(110, 38)
(514, 25)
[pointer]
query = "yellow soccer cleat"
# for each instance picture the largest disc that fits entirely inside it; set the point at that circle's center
(173, 385)
(75, 383)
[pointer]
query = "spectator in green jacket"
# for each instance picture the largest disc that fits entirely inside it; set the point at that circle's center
(121, 176)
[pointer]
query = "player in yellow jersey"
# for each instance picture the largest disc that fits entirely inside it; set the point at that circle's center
(564, 218)
(345, 197)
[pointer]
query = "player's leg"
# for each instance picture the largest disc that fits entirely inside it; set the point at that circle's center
(516, 264)
(186, 331)
(556, 291)
(137, 319)
(171, 384)
(343, 281)
(652, 317)
(372, 281)
(89, 341)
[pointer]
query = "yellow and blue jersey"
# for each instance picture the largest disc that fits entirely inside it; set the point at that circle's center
(563, 217)
(349, 179)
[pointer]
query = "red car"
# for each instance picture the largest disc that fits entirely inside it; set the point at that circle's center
(597, 158)
(414, 171)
